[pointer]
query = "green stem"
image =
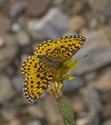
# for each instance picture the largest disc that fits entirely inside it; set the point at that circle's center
(66, 111)
(65, 108)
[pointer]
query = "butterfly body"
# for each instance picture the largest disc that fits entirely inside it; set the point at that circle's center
(51, 62)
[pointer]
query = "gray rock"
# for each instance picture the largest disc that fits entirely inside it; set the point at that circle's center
(17, 26)
(89, 119)
(92, 99)
(93, 23)
(106, 10)
(73, 7)
(70, 85)
(3, 2)
(52, 25)
(76, 23)
(10, 69)
(4, 23)
(98, 49)
(16, 9)
(90, 76)
(108, 122)
(15, 122)
(35, 112)
(51, 111)
(6, 90)
(41, 7)
(103, 83)
(23, 38)
(78, 103)
(8, 50)
(36, 122)
(106, 111)
(58, 2)
(103, 7)
(18, 83)
(8, 113)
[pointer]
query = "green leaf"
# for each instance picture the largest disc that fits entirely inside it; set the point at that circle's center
(60, 84)
(73, 65)
(70, 78)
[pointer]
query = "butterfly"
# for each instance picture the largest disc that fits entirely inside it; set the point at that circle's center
(40, 69)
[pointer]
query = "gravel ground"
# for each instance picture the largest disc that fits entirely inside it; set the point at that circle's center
(26, 23)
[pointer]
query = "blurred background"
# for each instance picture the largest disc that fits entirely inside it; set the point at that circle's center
(26, 23)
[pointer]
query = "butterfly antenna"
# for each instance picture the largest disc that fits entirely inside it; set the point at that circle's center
(82, 57)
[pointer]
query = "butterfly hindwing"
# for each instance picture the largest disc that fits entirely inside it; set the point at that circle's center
(36, 84)
(37, 78)
(32, 65)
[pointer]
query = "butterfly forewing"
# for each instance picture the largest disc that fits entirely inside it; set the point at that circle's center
(63, 48)
(69, 45)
